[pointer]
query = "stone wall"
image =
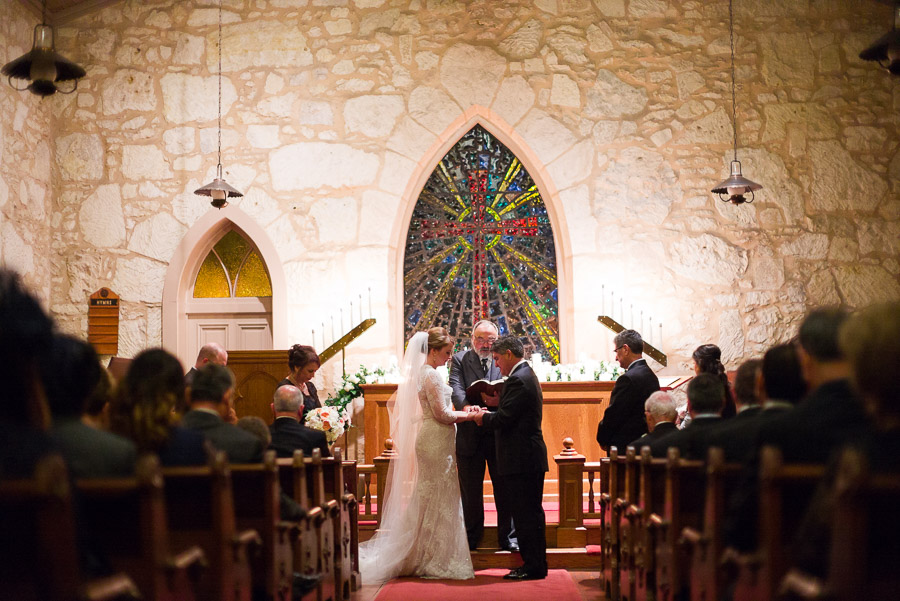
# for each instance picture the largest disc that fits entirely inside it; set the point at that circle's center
(335, 109)
(26, 159)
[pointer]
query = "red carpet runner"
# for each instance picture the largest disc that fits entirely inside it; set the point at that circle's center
(488, 585)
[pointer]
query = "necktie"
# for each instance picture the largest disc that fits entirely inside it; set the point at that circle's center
(484, 366)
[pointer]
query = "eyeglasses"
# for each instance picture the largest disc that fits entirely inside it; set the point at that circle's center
(618, 348)
(483, 339)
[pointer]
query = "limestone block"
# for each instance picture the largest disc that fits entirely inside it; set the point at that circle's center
(766, 270)
(309, 165)
(843, 249)
(373, 116)
(274, 84)
(187, 207)
(807, 246)
(878, 236)
(573, 166)
(101, 218)
(84, 271)
(787, 59)
(514, 98)
(210, 16)
(580, 220)
(263, 208)
(157, 237)
(368, 3)
(180, 140)
(382, 19)
(548, 6)
(863, 285)
(611, 8)
(128, 90)
(189, 163)
(209, 139)
(661, 137)
(139, 280)
(598, 38)
(315, 113)
(189, 98)
(604, 132)
(648, 197)
(612, 97)
(263, 136)
(80, 157)
(144, 162)
(379, 212)
(339, 27)
(277, 106)
(814, 120)
(708, 259)
(33, 194)
(524, 42)
(688, 83)
(864, 138)
(426, 60)
(15, 253)
(471, 74)
(336, 220)
(840, 182)
(286, 239)
(765, 325)
(396, 173)
(769, 169)
(432, 108)
(4, 192)
(569, 44)
(250, 44)
(714, 128)
(731, 335)
(150, 190)
(564, 91)
(132, 336)
(411, 139)
(546, 136)
(188, 49)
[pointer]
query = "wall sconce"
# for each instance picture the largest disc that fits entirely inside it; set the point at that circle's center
(886, 49)
(42, 66)
(737, 186)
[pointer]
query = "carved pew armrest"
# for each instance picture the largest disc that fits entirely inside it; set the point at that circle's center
(691, 537)
(798, 585)
(191, 561)
(634, 512)
(245, 541)
(316, 516)
(331, 508)
(111, 588)
(290, 529)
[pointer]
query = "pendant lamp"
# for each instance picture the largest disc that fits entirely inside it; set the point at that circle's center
(735, 188)
(886, 49)
(218, 189)
(42, 66)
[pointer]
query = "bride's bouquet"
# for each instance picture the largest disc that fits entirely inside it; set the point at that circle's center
(330, 420)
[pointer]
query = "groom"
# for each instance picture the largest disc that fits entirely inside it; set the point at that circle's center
(521, 454)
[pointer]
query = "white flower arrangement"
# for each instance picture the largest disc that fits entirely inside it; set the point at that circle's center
(330, 420)
(586, 370)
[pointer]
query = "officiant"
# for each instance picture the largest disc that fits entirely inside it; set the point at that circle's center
(474, 445)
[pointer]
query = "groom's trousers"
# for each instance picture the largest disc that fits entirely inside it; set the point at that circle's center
(525, 492)
(471, 487)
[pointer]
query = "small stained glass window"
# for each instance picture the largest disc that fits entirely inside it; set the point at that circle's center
(480, 246)
(233, 268)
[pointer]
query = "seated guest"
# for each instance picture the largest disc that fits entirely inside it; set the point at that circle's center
(211, 401)
(144, 410)
(708, 360)
(737, 436)
(69, 377)
(706, 397)
(781, 384)
(660, 411)
(211, 352)
(303, 363)
(288, 434)
(96, 407)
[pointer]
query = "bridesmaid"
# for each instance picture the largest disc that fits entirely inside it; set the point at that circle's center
(303, 363)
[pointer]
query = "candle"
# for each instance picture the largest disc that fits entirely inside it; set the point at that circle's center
(360, 308)
(622, 310)
(642, 320)
(351, 314)
(602, 299)
(323, 335)
(631, 315)
(659, 342)
(313, 337)
(370, 301)
(650, 333)
(342, 321)
(332, 330)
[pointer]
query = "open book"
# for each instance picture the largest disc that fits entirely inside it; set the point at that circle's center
(489, 387)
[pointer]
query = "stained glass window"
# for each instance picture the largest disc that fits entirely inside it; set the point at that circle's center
(480, 246)
(233, 268)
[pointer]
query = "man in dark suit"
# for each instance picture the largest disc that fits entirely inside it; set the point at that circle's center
(623, 421)
(737, 435)
(288, 434)
(660, 411)
(521, 454)
(474, 445)
(706, 399)
(211, 352)
(211, 398)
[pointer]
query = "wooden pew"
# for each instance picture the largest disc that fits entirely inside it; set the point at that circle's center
(308, 551)
(784, 494)
(200, 506)
(329, 530)
(346, 553)
(257, 504)
(608, 496)
(603, 504)
(683, 507)
(628, 497)
(651, 502)
(39, 553)
(707, 578)
(127, 518)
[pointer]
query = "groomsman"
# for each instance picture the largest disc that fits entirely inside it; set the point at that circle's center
(474, 445)
(521, 454)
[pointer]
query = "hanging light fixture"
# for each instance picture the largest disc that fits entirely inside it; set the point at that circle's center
(735, 187)
(219, 189)
(886, 49)
(42, 67)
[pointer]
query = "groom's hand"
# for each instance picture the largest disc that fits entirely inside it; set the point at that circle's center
(479, 417)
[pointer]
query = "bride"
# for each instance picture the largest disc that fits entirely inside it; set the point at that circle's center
(422, 532)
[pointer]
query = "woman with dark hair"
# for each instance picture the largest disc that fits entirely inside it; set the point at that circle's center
(144, 410)
(708, 360)
(303, 363)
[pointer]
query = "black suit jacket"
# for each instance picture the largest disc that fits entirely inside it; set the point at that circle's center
(623, 421)
(688, 441)
(660, 430)
(93, 453)
(735, 436)
(238, 444)
(517, 425)
(465, 368)
(288, 435)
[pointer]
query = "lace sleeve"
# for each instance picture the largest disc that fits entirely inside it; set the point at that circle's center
(434, 392)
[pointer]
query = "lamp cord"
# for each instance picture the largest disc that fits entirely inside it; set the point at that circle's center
(219, 169)
(733, 101)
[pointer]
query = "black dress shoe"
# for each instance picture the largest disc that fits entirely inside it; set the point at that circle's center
(514, 574)
(513, 547)
(521, 574)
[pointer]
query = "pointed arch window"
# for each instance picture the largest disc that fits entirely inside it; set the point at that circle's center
(233, 268)
(480, 246)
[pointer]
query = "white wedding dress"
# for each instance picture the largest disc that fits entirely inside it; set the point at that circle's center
(428, 538)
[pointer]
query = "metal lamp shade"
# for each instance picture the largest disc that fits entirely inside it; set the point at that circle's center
(735, 187)
(219, 190)
(43, 66)
(885, 51)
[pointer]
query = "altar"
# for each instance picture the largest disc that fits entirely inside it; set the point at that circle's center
(571, 409)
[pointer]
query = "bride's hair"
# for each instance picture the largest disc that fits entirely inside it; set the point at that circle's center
(438, 338)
